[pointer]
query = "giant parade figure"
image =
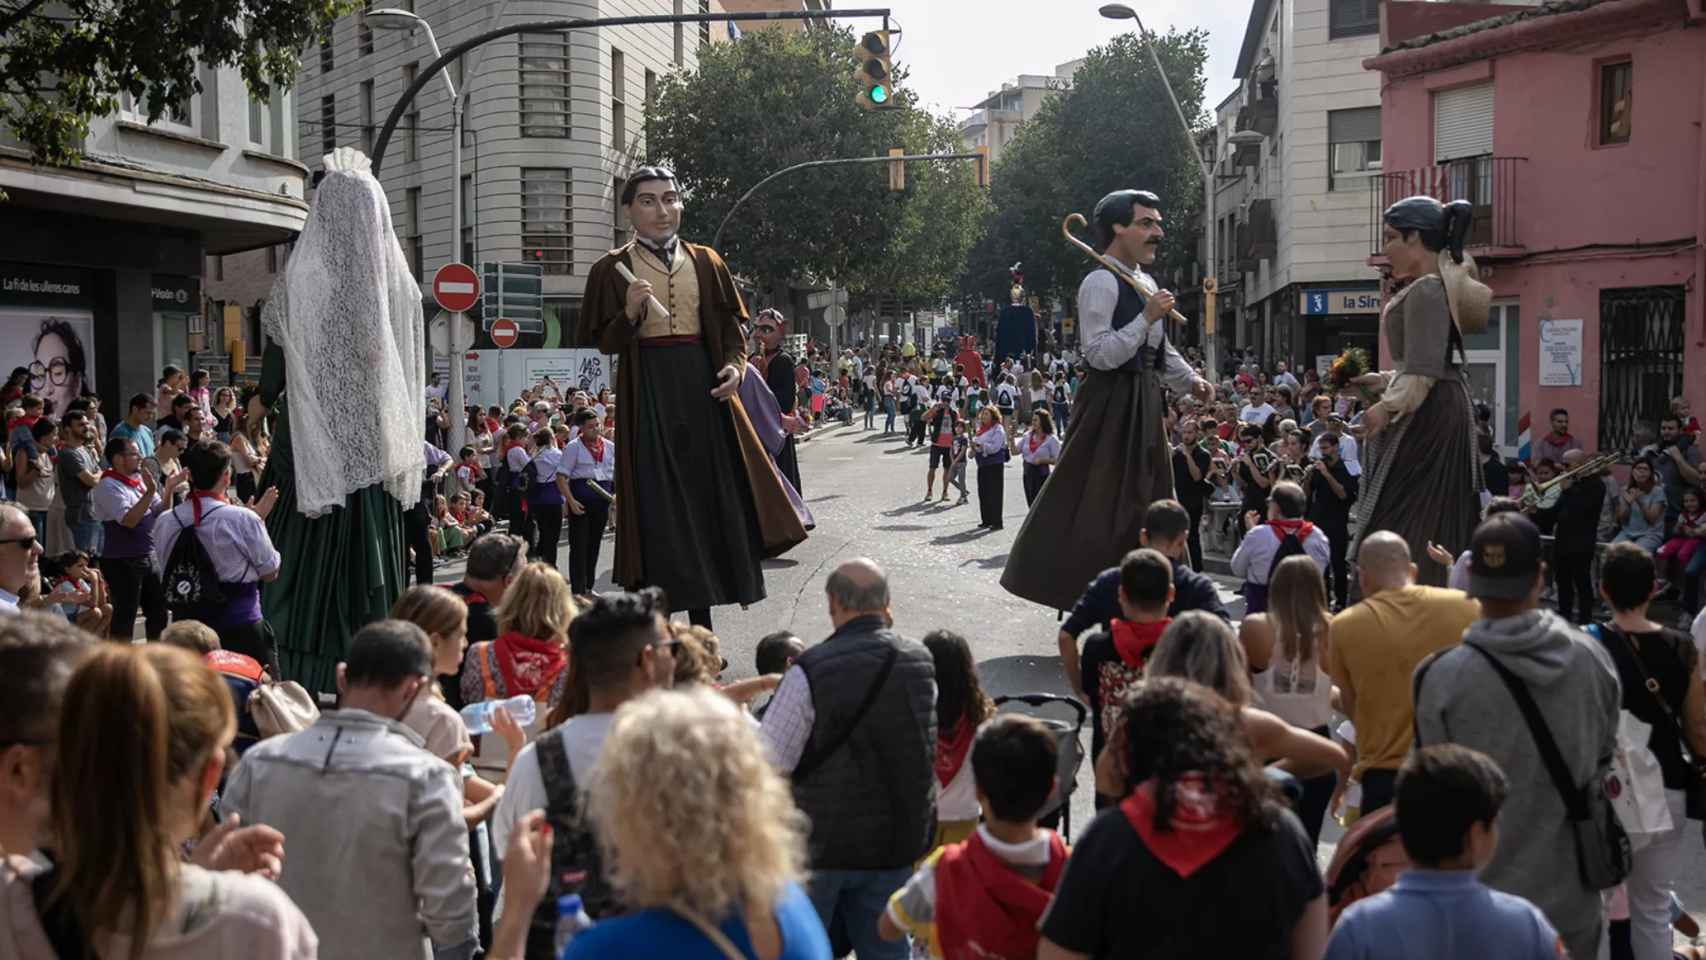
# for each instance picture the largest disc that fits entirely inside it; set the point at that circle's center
(343, 375)
(1091, 510)
(702, 503)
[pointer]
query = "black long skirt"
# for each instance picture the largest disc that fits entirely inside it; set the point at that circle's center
(1422, 479)
(991, 489)
(1091, 510)
(699, 537)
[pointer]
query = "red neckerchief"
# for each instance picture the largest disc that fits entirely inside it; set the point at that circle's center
(1196, 833)
(596, 449)
(1303, 528)
(134, 483)
(23, 422)
(528, 664)
(951, 751)
(1036, 440)
(197, 496)
(1135, 641)
(985, 429)
(1561, 439)
(985, 907)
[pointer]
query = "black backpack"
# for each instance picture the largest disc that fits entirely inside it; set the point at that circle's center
(190, 581)
(1290, 545)
(1059, 393)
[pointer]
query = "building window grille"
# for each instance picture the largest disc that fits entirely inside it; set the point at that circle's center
(544, 85)
(1641, 334)
(546, 238)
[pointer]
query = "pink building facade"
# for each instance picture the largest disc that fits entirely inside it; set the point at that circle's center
(1578, 130)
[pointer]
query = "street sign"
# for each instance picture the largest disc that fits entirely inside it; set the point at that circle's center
(456, 287)
(835, 315)
(504, 333)
(514, 292)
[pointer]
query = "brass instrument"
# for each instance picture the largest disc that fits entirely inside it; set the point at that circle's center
(1544, 496)
(1144, 288)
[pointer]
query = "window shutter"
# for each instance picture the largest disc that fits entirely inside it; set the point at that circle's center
(1349, 126)
(1463, 122)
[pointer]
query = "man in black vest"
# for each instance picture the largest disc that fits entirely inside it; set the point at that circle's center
(854, 724)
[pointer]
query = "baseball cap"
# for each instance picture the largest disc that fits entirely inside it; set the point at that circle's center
(1504, 557)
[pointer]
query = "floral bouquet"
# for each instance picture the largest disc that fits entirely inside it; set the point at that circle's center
(1346, 367)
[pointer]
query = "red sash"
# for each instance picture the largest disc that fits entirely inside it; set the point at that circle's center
(984, 907)
(951, 751)
(1194, 835)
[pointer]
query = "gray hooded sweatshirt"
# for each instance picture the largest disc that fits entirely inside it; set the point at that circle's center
(1575, 685)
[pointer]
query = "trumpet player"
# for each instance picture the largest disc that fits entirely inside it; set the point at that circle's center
(1116, 461)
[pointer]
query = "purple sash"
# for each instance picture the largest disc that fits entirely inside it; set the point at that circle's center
(766, 417)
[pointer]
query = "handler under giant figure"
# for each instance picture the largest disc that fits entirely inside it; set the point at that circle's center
(701, 503)
(343, 376)
(1116, 461)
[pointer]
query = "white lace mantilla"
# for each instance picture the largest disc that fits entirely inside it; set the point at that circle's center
(347, 312)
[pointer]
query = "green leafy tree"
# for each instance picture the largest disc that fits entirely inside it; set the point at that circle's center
(775, 99)
(1112, 130)
(65, 62)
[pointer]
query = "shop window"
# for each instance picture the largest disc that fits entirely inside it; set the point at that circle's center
(1616, 99)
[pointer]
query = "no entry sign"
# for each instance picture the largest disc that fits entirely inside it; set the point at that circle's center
(456, 287)
(504, 333)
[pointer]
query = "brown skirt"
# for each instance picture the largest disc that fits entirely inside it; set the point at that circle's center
(1422, 479)
(1090, 513)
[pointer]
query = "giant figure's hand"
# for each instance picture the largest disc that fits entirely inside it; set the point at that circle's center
(728, 382)
(1203, 390)
(635, 307)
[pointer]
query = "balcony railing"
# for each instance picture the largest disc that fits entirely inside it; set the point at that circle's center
(1488, 182)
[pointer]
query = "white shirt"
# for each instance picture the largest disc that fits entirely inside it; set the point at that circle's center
(234, 537)
(1256, 415)
(1049, 449)
(788, 720)
(1286, 379)
(111, 499)
(546, 462)
(990, 441)
(1347, 453)
(517, 459)
(579, 464)
(1255, 555)
(583, 739)
(8, 602)
(1108, 349)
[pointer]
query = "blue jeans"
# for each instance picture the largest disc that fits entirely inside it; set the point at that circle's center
(38, 519)
(888, 415)
(87, 536)
(849, 902)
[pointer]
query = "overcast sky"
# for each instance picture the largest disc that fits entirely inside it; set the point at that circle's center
(960, 50)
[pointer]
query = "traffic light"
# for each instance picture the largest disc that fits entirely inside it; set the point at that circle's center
(875, 73)
(897, 170)
(982, 162)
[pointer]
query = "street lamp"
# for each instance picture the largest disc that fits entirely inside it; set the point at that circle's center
(1119, 11)
(391, 18)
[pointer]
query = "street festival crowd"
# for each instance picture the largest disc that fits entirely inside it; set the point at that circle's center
(518, 765)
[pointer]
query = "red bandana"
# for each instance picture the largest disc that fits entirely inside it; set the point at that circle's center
(1303, 528)
(1197, 833)
(134, 483)
(596, 448)
(1037, 440)
(1135, 641)
(985, 429)
(951, 751)
(986, 908)
(529, 665)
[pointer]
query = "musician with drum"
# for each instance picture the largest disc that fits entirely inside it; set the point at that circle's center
(1115, 462)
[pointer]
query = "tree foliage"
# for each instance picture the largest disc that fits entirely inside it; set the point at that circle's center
(65, 62)
(1113, 129)
(774, 99)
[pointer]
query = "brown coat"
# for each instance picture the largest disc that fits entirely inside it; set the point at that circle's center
(721, 314)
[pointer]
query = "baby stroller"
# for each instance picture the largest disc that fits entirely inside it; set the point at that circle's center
(1071, 752)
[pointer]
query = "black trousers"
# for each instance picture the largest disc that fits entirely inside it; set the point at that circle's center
(586, 535)
(1573, 574)
(1338, 568)
(1194, 536)
(1379, 787)
(1034, 477)
(548, 517)
(914, 431)
(990, 489)
(132, 584)
(520, 521)
(415, 537)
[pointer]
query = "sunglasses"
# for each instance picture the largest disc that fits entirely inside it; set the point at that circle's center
(28, 543)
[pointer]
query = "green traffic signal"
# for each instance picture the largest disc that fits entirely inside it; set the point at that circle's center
(879, 93)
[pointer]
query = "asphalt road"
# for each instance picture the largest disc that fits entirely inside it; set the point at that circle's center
(866, 492)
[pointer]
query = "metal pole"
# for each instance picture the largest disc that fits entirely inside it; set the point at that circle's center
(551, 26)
(716, 239)
(458, 389)
(1210, 354)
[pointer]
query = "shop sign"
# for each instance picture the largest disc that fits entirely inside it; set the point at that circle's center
(1324, 301)
(35, 283)
(176, 294)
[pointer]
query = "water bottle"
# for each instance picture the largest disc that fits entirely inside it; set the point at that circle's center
(1350, 804)
(478, 716)
(571, 921)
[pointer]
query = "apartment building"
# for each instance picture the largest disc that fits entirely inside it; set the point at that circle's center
(101, 263)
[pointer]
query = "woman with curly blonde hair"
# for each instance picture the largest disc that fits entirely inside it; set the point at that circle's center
(710, 865)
